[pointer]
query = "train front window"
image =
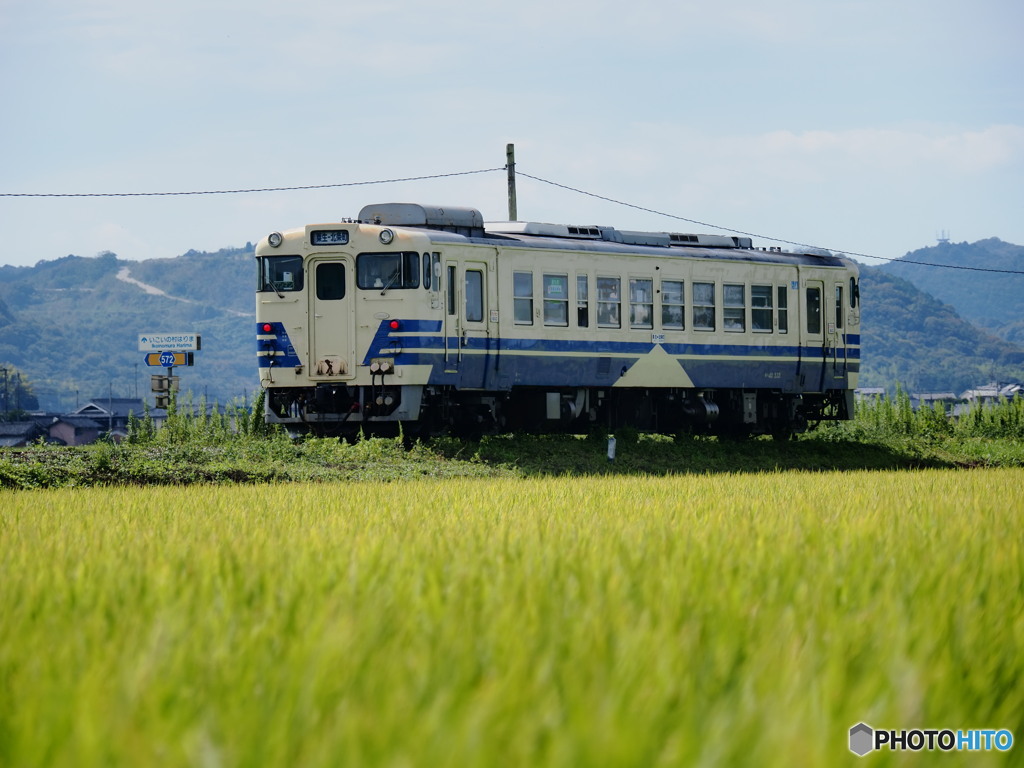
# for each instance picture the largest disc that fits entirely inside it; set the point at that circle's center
(280, 274)
(388, 271)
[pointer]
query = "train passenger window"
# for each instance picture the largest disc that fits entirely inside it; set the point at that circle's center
(704, 306)
(761, 308)
(854, 292)
(556, 300)
(608, 302)
(474, 295)
(839, 306)
(280, 273)
(330, 281)
(672, 304)
(582, 301)
(426, 271)
(734, 312)
(641, 303)
(388, 271)
(451, 289)
(783, 293)
(522, 297)
(814, 310)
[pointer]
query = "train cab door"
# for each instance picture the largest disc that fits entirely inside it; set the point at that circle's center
(814, 331)
(332, 324)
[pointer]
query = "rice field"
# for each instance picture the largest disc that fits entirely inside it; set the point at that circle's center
(613, 621)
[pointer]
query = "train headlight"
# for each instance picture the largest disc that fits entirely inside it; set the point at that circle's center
(386, 236)
(275, 239)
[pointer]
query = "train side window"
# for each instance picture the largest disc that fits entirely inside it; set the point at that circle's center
(839, 306)
(556, 300)
(783, 293)
(451, 289)
(608, 302)
(641, 303)
(426, 271)
(330, 281)
(814, 310)
(281, 273)
(854, 292)
(474, 295)
(703, 306)
(522, 297)
(672, 304)
(582, 301)
(734, 303)
(761, 308)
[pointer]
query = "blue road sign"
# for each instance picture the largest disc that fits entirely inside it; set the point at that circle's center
(166, 359)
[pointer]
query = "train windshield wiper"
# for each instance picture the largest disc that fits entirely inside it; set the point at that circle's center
(391, 281)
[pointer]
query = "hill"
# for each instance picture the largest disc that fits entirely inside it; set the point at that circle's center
(991, 300)
(911, 338)
(71, 326)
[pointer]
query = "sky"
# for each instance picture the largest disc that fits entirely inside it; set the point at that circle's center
(869, 127)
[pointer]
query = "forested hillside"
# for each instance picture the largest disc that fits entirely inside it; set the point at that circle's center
(991, 299)
(71, 326)
(911, 338)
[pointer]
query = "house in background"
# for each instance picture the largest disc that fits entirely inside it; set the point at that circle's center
(18, 434)
(112, 414)
(929, 399)
(75, 430)
(992, 393)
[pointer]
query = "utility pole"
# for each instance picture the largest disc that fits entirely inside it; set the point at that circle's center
(5, 392)
(510, 167)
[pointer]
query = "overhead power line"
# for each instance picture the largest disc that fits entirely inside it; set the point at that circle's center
(518, 172)
(243, 191)
(768, 237)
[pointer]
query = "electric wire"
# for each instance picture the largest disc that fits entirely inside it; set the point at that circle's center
(768, 237)
(517, 172)
(245, 191)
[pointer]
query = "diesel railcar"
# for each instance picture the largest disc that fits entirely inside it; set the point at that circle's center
(430, 318)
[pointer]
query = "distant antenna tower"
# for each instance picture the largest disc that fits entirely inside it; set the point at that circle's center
(943, 237)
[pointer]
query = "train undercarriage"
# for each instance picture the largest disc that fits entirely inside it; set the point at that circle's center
(380, 409)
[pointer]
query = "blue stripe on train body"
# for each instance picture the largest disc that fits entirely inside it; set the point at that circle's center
(275, 346)
(498, 364)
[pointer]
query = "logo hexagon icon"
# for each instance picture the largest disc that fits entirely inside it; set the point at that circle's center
(861, 739)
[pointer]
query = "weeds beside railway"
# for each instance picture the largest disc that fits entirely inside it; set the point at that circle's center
(234, 445)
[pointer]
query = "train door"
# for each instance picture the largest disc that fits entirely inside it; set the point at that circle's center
(814, 332)
(332, 324)
(836, 331)
(469, 313)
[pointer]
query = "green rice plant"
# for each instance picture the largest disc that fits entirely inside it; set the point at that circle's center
(602, 621)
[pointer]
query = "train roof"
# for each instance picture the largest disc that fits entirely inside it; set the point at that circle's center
(457, 224)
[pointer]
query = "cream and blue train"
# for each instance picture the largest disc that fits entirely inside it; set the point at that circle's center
(429, 317)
